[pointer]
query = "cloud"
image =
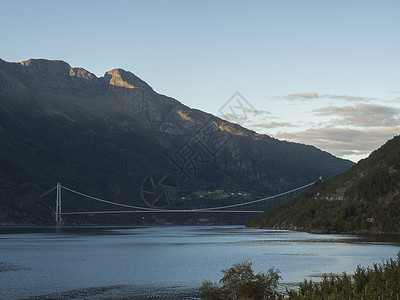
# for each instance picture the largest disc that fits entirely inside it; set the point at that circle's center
(314, 95)
(273, 125)
(311, 95)
(363, 115)
(350, 98)
(246, 115)
(342, 141)
(349, 126)
(259, 112)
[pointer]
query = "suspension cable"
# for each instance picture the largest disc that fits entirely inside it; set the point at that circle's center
(48, 192)
(259, 200)
(183, 210)
(109, 202)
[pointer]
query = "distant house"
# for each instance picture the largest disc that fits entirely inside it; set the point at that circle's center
(370, 220)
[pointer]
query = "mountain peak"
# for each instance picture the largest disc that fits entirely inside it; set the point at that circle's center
(81, 73)
(59, 70)
(57, 67)
(122, 78)
(44, 65)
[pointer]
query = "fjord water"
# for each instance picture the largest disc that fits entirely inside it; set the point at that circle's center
(167, 262)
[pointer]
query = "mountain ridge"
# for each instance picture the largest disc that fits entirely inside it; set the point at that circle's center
(62, 70)
(105, 135)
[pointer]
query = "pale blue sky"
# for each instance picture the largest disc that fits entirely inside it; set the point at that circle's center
(338, 59)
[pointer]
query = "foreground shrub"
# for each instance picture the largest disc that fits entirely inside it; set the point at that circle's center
(240, 282)
(381, 281)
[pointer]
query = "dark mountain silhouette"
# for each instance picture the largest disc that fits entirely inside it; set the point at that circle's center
(105, 135)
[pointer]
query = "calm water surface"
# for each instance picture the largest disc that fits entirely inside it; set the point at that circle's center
(166, 262)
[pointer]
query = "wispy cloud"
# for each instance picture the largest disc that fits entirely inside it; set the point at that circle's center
(363, 115)
(315, 95)
(261, 112)
(350, 98)
(310, 95)
(273, 125)
(342, 141)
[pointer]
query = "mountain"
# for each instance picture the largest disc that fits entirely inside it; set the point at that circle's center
(366, 198)
(104, 136)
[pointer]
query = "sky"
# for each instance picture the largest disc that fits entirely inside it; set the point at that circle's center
(324, 73)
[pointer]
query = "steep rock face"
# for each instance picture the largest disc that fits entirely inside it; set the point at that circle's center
(81, 73)
(4, 83)
(57, 68)
(105, 135)
(50, 67)
(121, 78)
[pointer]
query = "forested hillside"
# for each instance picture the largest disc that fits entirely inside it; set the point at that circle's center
(366, 198)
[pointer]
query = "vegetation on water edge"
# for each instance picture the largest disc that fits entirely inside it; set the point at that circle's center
(381, 281)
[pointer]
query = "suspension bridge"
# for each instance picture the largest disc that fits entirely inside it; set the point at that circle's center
(71, 202)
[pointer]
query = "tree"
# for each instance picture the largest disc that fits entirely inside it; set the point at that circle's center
(240, 282)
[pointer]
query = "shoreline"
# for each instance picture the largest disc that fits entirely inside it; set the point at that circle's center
(320, 231)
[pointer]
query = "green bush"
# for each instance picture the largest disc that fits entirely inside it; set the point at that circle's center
(240, 282)
(381, 281)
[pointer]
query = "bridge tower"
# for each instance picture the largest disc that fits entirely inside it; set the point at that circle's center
(58, 204)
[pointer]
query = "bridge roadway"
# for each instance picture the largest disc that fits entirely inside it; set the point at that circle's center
(160, 211)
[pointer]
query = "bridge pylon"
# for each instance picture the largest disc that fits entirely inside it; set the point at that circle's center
(58, 204)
